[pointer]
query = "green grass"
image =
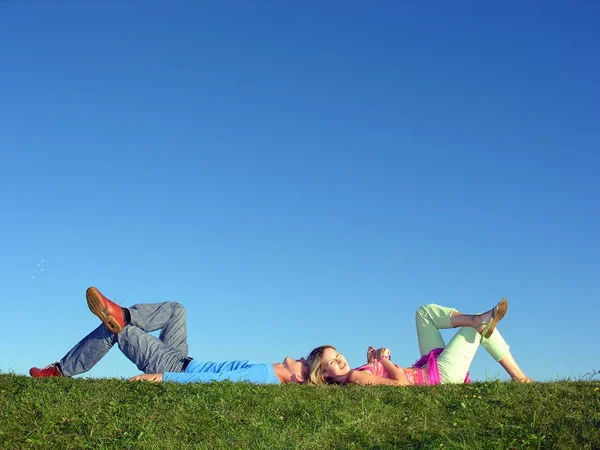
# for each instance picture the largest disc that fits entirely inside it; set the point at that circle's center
(111, 413)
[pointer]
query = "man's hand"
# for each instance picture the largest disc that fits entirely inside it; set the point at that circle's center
(155, 377)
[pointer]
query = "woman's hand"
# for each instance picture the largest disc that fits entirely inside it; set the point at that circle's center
(371, 354)
(384, 353)
(155, 377)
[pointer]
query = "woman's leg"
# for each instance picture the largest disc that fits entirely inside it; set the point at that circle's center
(169, 317)
(454, 362)
(430, 319)
(513, 369)
(495, 345)
(479, 321)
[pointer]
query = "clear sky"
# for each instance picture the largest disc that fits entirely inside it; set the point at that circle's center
(301, 173)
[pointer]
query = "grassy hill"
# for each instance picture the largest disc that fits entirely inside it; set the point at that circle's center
(112, 413)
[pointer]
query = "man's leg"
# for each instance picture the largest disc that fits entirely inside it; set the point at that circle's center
(149, 354)
(169, 317)
(131, 327)
(87, 352)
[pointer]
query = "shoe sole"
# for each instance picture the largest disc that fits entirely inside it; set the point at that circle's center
(500, 311)
(96, 305)
(35, 372)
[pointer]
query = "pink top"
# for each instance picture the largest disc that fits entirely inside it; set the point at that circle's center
(429, 362)
(413, 375)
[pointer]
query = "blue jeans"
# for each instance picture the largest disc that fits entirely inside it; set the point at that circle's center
(166, 353)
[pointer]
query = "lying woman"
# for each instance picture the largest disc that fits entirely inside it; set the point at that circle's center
(439, 363)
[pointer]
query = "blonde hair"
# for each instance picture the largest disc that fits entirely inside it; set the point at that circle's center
(315, 365)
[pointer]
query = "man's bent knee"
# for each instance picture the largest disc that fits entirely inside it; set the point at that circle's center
(178, 310)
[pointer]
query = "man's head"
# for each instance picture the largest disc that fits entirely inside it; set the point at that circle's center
(292, 370)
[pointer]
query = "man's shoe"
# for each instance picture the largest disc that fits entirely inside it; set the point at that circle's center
(50, 370)
(108, 312)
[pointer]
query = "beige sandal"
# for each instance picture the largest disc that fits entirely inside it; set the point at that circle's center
(497, 314)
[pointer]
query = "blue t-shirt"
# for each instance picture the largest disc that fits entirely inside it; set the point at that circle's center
(207, 371)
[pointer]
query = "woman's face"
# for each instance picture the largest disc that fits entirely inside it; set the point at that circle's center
(334, 364)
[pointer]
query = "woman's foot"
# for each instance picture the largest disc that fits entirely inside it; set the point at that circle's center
(490, 319)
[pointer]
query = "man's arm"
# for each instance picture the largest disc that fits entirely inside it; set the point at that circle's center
(258, 373)
(155, 377)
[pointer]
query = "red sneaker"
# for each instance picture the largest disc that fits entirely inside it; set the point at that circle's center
(108, 312)
(50, 370)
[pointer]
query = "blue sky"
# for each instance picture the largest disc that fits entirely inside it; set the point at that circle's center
(301, 173)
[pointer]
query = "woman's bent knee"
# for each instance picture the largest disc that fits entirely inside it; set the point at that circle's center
(423, 310)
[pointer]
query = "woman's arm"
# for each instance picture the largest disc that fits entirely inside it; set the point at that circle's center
(363, 377)
(393, 370)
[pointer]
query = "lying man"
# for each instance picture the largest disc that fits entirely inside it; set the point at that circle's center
(164, 358)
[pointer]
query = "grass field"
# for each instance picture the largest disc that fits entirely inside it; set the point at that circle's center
(112, 413)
